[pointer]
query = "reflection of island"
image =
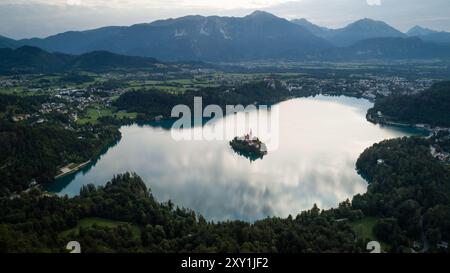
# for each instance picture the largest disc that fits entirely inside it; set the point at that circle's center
(249, 146)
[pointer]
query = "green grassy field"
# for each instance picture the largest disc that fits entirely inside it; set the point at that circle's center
(13, 91)
(8, 91)
(89, 222)
(123, 114)
(364, 227)
(173, 85)
(93, 114)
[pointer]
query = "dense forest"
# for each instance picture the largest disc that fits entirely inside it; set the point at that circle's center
(28, 153)
(409, 190)
(429, 107)
(39, 223)
(153, 103)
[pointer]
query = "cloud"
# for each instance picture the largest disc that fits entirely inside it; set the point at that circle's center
(74, 2)
(374, 2)
(228, 4)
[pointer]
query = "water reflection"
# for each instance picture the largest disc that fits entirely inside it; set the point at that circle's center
(320, 140)
(249, 156)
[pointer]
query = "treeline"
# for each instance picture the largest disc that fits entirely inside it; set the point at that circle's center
(153, 103)
(36, 223)
(10, 104)
(429, 107)
(409, 190)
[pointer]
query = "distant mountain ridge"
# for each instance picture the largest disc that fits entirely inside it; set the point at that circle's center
(72, 42)
(27, 59)
(439, 37)
(319, 31)
(7, 42)
(257, 36)
(419, 31)
(364, 29)
(360, 30)
(387, 49)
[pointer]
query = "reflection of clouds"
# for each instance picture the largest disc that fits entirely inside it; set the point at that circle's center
(374, 2)
(320, 140)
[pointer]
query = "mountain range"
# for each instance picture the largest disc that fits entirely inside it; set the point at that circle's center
(7, 42)
(353, 33)
(27, 59)
(439, 37)
(257, 36)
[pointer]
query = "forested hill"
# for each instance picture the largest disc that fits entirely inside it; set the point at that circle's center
(152, 103)
(430, 107)
(123, 217)
(28, 59)
(408, 189)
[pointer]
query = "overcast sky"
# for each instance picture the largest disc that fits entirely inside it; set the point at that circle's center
(41, 18)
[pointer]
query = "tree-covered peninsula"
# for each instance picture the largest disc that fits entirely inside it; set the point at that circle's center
(430, 107)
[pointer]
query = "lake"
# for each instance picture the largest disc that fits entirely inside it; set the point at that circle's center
(319, 141)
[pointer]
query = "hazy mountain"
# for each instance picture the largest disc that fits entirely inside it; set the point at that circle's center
(259, 35)
(362, 30)
(29, 59)
(419, 31)
(7, 42)
(73, 42)
(412, 48)
(439, 37)
(355, 32)
(319, 31)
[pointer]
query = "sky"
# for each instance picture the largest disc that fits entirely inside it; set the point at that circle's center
(41, 18)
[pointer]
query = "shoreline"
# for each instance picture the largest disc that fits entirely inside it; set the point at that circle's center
(425, 127)
(71, 170)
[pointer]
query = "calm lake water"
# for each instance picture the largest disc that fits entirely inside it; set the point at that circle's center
(320, 140)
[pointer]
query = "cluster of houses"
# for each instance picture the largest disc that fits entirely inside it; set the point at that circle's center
(79, 99)
(419, 246)
(369, 88)
(69, 102)
(442, 156)
(435, 149)
(31, 118)
(10, 82)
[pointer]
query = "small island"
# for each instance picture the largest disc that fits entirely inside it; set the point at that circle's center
(249, 146)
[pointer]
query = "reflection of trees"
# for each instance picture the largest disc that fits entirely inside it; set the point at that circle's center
(249, 155)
